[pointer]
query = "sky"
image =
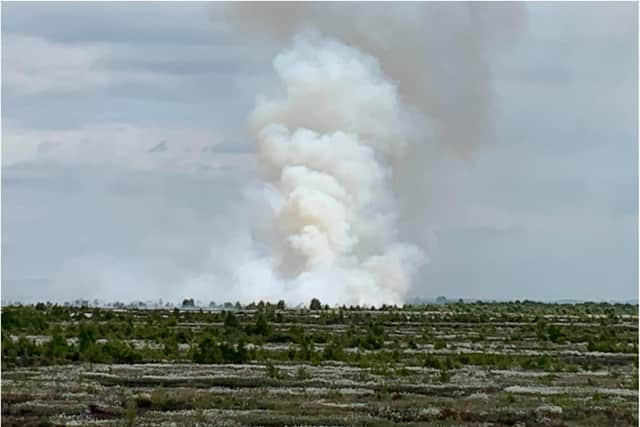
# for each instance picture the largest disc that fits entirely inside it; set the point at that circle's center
(126, 161)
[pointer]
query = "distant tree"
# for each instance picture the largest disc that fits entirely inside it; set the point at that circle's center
(119, 351)
(333, 350)
(8, 349)
(262, 326)
(25, 350)
(238, 305)
(81, 303)
(188, 303)
(86, 337)
(375, 336)
(234, 354)
(212, 304)
(230, 320)
(315, 304)
(207, 350)
(307, 350)
(184, 335)
(554, 333)
(281, 305)
(170, 346)
(57, 347)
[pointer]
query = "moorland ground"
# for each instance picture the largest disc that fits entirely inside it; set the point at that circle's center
(500, 364)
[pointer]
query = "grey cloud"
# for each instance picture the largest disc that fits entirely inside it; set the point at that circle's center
(225, 56)
(156, 228)
(229, 148)
(33, 65)
(144, 23)
(562, 264)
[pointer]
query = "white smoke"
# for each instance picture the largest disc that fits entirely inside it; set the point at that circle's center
(326, 149)
(378, 98)
(438, 54)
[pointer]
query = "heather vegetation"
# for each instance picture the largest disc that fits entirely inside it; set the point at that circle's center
(372, 366)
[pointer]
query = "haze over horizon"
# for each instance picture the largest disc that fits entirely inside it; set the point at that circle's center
(127, 163)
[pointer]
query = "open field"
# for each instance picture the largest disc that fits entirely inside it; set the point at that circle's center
(511, 364)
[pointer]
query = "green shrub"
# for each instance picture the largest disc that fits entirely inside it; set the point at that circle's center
(432, 361)
(261, 327)
(272, 370)
(445, 376)
(170, 346)
(230, 321)
(57, 348)
(207, 350)
(302, 374)
(131, 413)
(333, 350)
(117, 351)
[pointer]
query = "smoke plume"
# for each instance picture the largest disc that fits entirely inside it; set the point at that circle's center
(326, 148)
(376, 97)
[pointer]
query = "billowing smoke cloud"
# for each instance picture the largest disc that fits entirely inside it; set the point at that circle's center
(377, 97)
(326, 148)
(437, 53)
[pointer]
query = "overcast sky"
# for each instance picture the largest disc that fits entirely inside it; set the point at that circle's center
(125, 156)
